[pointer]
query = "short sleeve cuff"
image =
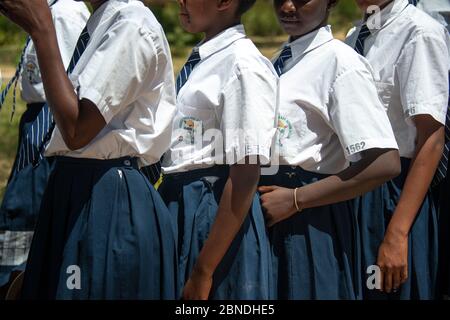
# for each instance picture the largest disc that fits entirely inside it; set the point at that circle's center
(353, 151)
(94, 96)
(434, 110)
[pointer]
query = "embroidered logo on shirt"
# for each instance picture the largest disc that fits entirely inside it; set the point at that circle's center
(284, 129)
(32, 71)
(191, 126)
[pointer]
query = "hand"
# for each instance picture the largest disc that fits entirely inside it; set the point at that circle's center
(278, 203)
(31, 15)
(197, 287)
(393, 261)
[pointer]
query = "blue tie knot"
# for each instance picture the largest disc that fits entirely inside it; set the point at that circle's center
(364, 33)
(284, 56)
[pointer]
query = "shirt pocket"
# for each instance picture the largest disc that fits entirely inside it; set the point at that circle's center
(194, 121)
(385, 90)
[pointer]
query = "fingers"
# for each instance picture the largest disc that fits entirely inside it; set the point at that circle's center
(265, 189)
(270, 222)
(268, 217)
(404, 274)
(392, 278)
(396, 278)
(388, 280)
(381, 279)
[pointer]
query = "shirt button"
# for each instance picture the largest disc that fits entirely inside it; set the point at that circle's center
(127, 162)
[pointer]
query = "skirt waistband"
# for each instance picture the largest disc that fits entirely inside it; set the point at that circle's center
(131, 162)
(296, 172)
(189, 176)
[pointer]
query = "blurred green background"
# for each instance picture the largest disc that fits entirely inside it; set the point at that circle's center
(260, 23)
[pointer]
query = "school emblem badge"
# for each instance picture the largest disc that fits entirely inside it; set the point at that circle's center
(191, 127)
(284, 127)
(32, 72)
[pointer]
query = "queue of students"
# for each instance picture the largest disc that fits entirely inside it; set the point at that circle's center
(280, 180)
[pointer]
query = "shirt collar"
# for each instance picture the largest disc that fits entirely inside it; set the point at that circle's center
(221, 41)
(388, 14)
(310, 41)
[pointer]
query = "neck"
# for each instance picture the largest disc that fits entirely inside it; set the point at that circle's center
(211, 33)
(382, 5)
(323, 24)
(97, 4)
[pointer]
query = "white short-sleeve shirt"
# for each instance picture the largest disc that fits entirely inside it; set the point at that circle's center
(69, 18)
(227, 108)
(126, 71)
(408, 53)
(438, 9)
(329, 108)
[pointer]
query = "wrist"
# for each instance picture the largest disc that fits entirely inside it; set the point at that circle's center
(396, 233)
(202, 271)
(42, 34)
(298, 203)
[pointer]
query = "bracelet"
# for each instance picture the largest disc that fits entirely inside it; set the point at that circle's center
(295, 201)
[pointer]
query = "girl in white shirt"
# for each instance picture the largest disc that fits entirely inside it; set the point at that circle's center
(103, 230)
(26, 185)
(408, 52)
(335, 143)
(224, 126)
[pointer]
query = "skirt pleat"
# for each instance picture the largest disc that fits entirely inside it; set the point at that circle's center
(103, 219)
(193, 198)
(374, 212)
(315, 253)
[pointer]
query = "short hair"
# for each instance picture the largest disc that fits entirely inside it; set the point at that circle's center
(244, 6)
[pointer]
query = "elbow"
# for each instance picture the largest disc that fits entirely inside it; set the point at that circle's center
(391, 166)
(72, 146)
(74, 143)
(439, 143)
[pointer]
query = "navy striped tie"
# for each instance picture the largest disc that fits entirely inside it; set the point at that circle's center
(39, 133)
(184, 74)
(364, 33)
(14, 80)
(441, 171)
(285, 55)
(152, 172)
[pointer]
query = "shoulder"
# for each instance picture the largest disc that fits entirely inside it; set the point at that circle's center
(138, 25)
(245, 56)
(136, 13)
(64, 8)
(420, 24)
(345, 59)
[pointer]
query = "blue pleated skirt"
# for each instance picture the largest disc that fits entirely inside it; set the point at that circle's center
(374, 211)
(315, 253)
(21, 202)
(103, 233)
(193, 198)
